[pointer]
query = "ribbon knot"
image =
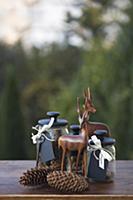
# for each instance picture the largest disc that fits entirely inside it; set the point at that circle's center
(104, 153)
(37, 137)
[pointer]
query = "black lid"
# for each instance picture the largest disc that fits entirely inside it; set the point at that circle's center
(57, 123)
(105, 141)
(108, 141)
(53, 114)
(75, 129)
(100, 133)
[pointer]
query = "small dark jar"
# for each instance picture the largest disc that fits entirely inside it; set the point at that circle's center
(75, 130)
(101, 159)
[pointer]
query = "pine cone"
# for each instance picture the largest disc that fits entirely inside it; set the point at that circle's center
(55, 165)
(34, 176)
(38, 176)
(67, 181)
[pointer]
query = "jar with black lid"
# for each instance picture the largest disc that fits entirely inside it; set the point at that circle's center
(101, 159)
(75, 130)
(47, 144)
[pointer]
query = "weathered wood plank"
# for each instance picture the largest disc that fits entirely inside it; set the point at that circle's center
(66, 197)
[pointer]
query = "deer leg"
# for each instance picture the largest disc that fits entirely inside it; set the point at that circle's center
(69, 161)
(77, 161)
(84, 164)
(63, 158)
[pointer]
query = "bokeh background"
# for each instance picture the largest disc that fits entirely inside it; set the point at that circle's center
(49, 52)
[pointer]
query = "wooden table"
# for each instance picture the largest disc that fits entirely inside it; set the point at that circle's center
(10, 171)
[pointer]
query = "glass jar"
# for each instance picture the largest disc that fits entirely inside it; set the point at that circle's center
(108, 145)
(47, 147)
(101, 159)
(75, 130)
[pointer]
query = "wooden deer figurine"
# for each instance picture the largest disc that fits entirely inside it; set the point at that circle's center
(92, 126)
(79, 142)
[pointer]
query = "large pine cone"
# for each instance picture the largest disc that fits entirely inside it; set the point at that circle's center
(38, 176)
(67, 181)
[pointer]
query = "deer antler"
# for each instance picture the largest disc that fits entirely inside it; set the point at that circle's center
(87, 97)
(88, 106)
(87, 93)
(79, 111)
(78, 106)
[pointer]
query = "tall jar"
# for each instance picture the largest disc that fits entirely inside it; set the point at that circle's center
(48, 145)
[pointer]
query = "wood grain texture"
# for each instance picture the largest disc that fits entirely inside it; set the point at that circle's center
(10, 171)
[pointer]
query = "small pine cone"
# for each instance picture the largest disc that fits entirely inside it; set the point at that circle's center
(67, 181)
(55, 165)
(38, 176)
(34, 176)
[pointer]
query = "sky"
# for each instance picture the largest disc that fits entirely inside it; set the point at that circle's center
(37, 22)
(34, 21)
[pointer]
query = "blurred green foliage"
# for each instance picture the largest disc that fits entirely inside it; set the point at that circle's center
(12, 124)
(36, 81)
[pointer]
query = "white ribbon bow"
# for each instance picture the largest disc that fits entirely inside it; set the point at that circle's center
(40, 130)
(103, 153)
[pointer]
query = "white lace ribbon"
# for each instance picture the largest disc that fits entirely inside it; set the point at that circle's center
(46, 127)
(104, 154)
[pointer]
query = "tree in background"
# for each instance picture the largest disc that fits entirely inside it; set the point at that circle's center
(121, 87)
(50, 70)
(93, 74)
(94, 20)
(12, 124)
(41, 74)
